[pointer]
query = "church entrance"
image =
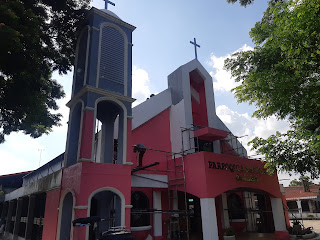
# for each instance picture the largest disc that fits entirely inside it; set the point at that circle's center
(191, 223)
(106, 205)
(195, 221)
(248, 211)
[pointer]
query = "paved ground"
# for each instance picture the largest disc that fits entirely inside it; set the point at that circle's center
(256, 236)
(312, 223)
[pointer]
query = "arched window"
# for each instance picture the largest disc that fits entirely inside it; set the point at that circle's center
(235, 206)
(140, 206)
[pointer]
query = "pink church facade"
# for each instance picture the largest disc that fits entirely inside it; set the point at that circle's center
(189, 178)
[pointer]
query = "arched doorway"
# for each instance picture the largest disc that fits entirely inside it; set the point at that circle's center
(107, 205)
(186, 217)
(247, 210)
(66, 217)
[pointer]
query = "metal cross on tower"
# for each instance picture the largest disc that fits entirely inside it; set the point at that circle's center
(195, 47)
(106, 3)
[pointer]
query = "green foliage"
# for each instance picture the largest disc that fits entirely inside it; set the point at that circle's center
(242, 2)
(281, 76)
(299, 182)
(295, 183)
(36, 38)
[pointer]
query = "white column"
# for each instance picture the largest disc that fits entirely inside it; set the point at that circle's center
(299, 207)
(209, 219)
(225, 213)
(157, 217)
(278, 214)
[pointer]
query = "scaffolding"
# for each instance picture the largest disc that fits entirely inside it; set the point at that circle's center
(176, 182)
(194, 143)
(236, 146)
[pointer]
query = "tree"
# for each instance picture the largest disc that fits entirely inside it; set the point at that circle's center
(281, 76)
(299, 182)
(36, 38)
(242, 2)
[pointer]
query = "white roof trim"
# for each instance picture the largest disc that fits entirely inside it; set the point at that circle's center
(151, 108)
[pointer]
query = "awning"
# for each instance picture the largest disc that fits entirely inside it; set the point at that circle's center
(210, 134)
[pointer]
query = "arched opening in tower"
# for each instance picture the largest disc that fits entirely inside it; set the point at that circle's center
(109, 135)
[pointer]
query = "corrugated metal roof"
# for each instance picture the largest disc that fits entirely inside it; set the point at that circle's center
(297, 192)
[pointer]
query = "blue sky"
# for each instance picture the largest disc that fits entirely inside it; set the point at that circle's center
(161, 44)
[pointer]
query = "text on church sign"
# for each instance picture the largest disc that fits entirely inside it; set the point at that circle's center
(247, 177)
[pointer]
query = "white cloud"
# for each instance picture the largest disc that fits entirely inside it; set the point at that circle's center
(244, 125)
(140, 85)
(21, 153)
(222, 79)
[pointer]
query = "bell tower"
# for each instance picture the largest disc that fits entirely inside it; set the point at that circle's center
(101, 100)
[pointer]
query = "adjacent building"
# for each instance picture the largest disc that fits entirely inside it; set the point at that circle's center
(303, 204)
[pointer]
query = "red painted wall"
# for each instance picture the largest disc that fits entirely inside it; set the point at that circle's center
(85, 177)
(285, 210)
(153, 134)
(79, 233)
(202, 181)
(86, 135)
(225, 148)
(51, 215)
(219, 213)
(199, 111)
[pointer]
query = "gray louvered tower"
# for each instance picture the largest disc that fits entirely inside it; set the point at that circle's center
(102, 87)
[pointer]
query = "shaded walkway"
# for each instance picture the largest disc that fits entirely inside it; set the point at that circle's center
(255, 236)
(244, 236)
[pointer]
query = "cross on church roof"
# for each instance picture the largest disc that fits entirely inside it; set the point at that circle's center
(195, 47)
(106, 3)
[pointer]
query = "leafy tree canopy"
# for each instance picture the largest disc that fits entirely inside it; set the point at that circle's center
(36, 38)
(242, 2)
(299, 182)
(281, 76)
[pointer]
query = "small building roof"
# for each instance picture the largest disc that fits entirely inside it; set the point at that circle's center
(297, 192)
(13, 180)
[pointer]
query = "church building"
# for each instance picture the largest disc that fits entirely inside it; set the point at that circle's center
(168, 168)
